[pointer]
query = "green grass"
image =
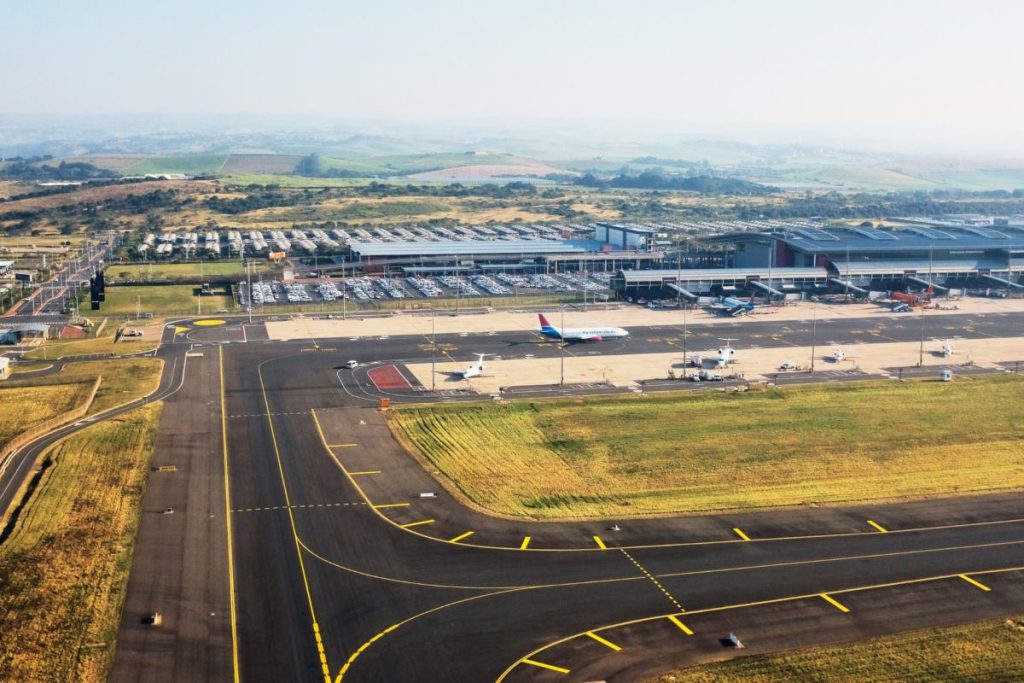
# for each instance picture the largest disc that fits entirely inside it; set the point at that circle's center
(984, 652)
(191, 164)
(176, 271)
(685, 453)
(124, 300)
(64, 570)
(123, 380)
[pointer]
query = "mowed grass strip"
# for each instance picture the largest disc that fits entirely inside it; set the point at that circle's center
(64, 569)
(983, 651)
(24, 407)
(126, 300)
(678, 453)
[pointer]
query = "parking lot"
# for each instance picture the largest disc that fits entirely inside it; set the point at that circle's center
(367, 289)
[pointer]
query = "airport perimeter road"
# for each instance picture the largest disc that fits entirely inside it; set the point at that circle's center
(340, 576)
(18, 465)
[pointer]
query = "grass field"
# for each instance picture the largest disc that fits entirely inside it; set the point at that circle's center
(124, 300)
(680, 453)
(123, 380)
(104, 343)
(983, 652)
(172, 271)
(183, 163)
(64, 570)
(36, 405)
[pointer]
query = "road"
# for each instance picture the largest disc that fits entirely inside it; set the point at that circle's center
(49, 298)
(336, 567)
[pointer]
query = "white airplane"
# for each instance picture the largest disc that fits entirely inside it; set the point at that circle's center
(474, 370)
(725, 353)
(579, 334)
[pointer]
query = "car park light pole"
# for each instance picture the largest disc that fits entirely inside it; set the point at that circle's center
(561, 348)
(814, 331)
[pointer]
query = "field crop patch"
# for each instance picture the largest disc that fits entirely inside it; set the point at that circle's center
(682, 453)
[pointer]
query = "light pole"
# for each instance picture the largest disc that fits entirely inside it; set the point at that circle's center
(814, 331)
(561, 348)
(433, 352)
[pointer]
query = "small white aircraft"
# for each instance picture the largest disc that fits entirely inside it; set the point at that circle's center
(947, 349)
(580, 334)
(726, 353)
(474, 370)
(837, 355)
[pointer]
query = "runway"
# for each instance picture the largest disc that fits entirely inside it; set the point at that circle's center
(342, 570)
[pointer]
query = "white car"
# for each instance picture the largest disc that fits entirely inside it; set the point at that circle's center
(351, 364)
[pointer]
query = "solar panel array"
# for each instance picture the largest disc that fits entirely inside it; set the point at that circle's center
(816, 235)
(931, 233)
(985, 232)
(873, 234)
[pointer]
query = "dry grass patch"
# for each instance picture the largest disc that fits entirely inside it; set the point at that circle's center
(64, 570)
(983, 652)
(123, 380)
(28, 406)
(679, 453)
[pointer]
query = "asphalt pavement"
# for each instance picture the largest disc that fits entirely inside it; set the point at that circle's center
(301, 546)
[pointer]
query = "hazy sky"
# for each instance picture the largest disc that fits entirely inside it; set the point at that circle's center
(939, 72)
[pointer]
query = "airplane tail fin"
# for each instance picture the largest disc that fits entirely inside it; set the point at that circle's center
(547, 328)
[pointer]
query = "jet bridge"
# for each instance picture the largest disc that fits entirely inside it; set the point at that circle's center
(925, 283)
(771, 290)
(849, 286)
(681, 290)
(1000, 281)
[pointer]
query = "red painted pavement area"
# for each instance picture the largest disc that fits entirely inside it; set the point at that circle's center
(387, 377)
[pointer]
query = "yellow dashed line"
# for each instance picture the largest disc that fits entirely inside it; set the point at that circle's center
(740, 533)
(607, 643)
(525, 544)
(976, 584)
(542, 665)
(835, 603)
(343, 445)
(356, 474)
(653, 580)
(600, 543)
(878, 526)
(412, 524)
(682, 627)
(390, 505)
(460, 537)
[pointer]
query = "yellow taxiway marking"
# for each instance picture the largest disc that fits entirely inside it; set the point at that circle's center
(758, 603)
(412, 524)
(355, 474)
(343, 445)
(835, 603)
(208, 323)
(227, 515)
(390, 505)
(600, 543)
(321, 651)
(460, 537)
(653, 580)
(549, 667)
(179, 330)
(976, 584)
(878, 526)
(607, 643)
(525, 544)
(682, 627)
(739, 532)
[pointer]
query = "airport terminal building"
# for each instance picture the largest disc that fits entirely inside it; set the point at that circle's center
(852, 259)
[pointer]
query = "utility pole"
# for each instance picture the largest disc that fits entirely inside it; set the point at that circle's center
(248, 286)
